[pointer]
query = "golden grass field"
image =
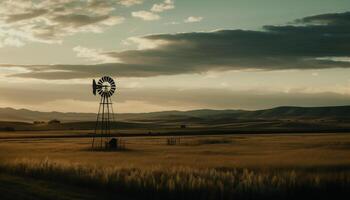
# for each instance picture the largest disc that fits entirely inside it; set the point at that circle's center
(252, 151)
(298, 161)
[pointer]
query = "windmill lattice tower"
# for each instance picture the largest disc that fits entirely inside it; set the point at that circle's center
(105, 87)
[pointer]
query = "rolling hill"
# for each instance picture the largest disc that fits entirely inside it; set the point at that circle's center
(286, 112)
(280, 119)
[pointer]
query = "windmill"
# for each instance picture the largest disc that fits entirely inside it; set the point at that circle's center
(105, 87)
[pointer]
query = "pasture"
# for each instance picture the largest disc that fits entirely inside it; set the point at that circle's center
(271, 162)
(252, 151)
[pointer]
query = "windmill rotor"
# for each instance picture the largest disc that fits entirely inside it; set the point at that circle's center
(105, 86)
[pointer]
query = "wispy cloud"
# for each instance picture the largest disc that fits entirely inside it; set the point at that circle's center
(156, 8)
(144, 43)
(50, 21)
(10, 41)
(145, 15)
(193, 19)
(166, 5)
(96, 55)
(129, 3)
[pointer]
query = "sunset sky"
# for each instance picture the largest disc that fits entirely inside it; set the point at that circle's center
(174, 54)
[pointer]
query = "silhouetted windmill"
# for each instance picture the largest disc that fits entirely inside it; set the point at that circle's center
(105, 87)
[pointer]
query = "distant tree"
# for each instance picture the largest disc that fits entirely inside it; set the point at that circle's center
(38, 122)
(7, 129)
(54, 121)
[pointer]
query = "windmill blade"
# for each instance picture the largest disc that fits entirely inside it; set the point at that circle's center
(110, 93)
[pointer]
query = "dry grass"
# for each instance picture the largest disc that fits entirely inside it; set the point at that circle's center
(189, 183)
(313, 166)
(244, 151)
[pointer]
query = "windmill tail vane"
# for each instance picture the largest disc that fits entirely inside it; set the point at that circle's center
(94, 87)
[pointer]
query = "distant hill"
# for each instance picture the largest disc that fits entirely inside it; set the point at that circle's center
(24, 115)
(205, 121)
(287, 113)
(290, 112)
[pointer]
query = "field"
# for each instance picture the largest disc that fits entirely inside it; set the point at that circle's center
(221, 166)
(277, 151)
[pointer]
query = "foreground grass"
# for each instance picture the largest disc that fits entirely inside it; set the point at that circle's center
(14, 187)
(189, 183)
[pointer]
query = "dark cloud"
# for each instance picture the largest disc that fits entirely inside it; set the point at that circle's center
(77, 20)
(305, 45)
(331, 18)
(25, 16)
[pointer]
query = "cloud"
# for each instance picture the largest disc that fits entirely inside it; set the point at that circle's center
(129, 3)
(25, 16)
(95, 55)
(10, 41)
(193, 19)
(166, 5)
(50, 21)
(156, 8)
(314, 74)
(78, 20)
(143, 43)
(172, 23)
(300, 46)
(145, 15)
(330, 19)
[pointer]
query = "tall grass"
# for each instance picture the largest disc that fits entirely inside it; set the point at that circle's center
(189, 183)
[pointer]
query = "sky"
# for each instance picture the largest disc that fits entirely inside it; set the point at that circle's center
(174, 54)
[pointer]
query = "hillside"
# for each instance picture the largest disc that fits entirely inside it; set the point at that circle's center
(280, 119)
(290, 113)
